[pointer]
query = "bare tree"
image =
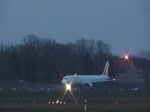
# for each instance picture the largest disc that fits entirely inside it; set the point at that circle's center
(102, 54)
(145, 54)
(146, 73)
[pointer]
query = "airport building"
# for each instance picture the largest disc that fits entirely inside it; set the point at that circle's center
(133, 74)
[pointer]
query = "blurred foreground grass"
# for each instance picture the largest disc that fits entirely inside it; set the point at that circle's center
(97, 101)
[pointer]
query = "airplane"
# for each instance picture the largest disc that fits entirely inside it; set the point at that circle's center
(88, 79)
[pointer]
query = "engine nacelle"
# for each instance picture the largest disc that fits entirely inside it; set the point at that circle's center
(90, 85)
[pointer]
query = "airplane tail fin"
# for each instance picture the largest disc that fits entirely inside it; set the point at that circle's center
(105, 72)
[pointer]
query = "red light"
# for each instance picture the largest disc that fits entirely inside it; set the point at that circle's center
(126, 57)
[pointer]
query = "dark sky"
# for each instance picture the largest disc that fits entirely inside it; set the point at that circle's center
(123, 24)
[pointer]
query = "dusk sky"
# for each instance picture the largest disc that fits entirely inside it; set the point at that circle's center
(123, 24)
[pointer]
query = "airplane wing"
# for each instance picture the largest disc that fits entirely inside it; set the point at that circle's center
(88, 83)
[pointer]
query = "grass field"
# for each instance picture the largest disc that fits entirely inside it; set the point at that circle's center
(97, 101)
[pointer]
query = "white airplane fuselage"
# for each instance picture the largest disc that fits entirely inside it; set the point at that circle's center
(81, 79)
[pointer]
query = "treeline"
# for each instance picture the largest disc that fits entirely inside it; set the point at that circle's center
(45, 60)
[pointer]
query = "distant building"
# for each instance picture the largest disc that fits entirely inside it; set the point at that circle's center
(133, 74)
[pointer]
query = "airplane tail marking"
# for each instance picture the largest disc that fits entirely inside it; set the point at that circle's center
(106, 68)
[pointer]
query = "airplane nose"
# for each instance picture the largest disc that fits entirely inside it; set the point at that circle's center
(63, 81)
